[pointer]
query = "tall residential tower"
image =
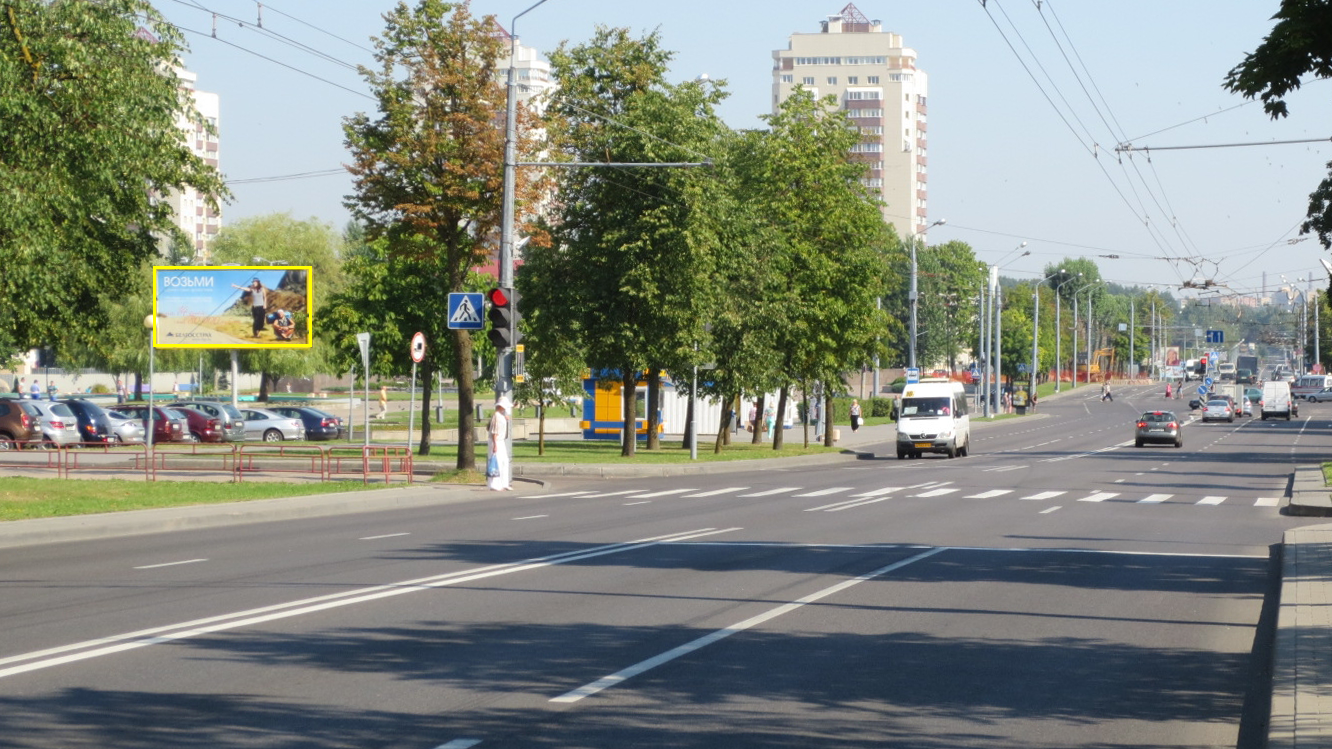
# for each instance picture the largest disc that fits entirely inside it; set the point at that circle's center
(875, 78)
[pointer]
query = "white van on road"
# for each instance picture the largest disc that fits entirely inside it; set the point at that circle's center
(1276, 399)
(933, 418)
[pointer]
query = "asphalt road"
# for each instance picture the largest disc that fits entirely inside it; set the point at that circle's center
(1059, 588)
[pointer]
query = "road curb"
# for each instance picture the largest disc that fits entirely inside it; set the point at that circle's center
(1309, 493)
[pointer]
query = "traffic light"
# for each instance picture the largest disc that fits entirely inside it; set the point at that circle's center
(1202, 365)
(503, 316)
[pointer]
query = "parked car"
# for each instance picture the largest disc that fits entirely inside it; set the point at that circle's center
(167, 426)
(1218, 409)
(124, 429)
(59, 425)
(94, 424)
(319, 425)
(233, 424)
(262, 424)
(199, 426)
(1158, 426)
(19, 423)
(1322, 395)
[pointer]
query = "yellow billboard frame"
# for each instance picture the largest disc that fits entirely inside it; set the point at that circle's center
(194, 309)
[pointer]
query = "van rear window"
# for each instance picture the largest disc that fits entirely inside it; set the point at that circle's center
(926, 407)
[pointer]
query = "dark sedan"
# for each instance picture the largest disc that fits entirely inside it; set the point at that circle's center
(319, 425)
(94, 425)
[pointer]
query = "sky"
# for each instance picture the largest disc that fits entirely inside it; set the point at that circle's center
(1020, 148)
(186, 292)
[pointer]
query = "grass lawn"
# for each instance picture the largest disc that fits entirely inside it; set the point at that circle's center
(25, 498)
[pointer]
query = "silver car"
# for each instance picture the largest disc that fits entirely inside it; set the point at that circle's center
(262, 424)
(1218, 409)
(60, 427)
(125, 429)
(1322, 395)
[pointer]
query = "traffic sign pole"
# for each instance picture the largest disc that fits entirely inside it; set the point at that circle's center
(418, 353)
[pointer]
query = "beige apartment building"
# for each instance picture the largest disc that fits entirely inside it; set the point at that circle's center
(873, 77)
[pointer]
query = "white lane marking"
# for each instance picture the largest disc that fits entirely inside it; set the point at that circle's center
(769, 492)
(644, 502)
(459, 744)
(1045, 495)
(103, 646)
(936, 492)
(1008, 468)
(386, 535)
(666, 493)
(824, 492)
(559, 494)
(611, 494)
(1211, 500)
(169, 564)
(928, 483)
(877, 492)
(841, 503)
(1154, 499)
(990, 494)
(1267, 502)
(858, 503)
(715, 492)
(606, 682)
(1119, 481)
(1099, 497)
(532, 517)
(1049, 510)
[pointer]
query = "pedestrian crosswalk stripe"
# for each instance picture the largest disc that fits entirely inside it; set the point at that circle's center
(1045, 495)
(715, 492)
(990, 494)
(1099, 497)
(1154, 498)
(668, 492)
(773, 491)
(1267, 502)
(822, 492)
(1211, 500)
(877, 492)
(611, 494)
(935, 493)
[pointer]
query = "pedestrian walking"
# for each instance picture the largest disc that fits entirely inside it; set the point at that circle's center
(1105, 392)
(497, 465)
(120, 391)
(1168, 390)
(36, 390)
(855, 414)
(769, 419)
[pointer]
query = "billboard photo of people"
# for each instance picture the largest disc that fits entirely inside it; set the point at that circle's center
(232, 307)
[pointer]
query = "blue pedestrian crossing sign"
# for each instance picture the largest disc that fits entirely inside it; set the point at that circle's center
(465, 311)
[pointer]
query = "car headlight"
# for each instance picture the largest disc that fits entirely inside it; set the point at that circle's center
(946, 434)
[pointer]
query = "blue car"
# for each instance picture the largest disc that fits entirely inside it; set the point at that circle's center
(319, 425)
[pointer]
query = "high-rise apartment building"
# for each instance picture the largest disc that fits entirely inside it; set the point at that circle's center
(875, 79)
(199, 222)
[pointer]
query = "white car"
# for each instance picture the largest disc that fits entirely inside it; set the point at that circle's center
(262, 424)
(60, 427)
(1218, 410)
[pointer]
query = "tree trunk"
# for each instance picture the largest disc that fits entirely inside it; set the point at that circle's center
(629, 406)
(653, 399)
(689, 422)
(263, 387)
(779, 419)
(541, 421)
(461, 340)
(757, 438)
(427, 379)
(733, 418)
(138, 387)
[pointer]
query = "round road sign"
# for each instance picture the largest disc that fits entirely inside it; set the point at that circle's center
(418, 347)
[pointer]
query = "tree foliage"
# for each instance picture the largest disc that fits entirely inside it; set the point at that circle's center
(89, 142)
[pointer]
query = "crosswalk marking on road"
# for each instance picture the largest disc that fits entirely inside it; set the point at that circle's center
(1045, 495)
(824, 492)
(990, 494)
(611, 494)
(715, 492)
(1154, 499)
(1267, 502)
(770, 492)
(666, 493)
(1099, 497)
(1211, 500)
(936, 492)
(877, 492)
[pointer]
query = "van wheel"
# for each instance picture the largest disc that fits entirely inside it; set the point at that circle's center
(952, 451)
(901, 454)
(965, 450)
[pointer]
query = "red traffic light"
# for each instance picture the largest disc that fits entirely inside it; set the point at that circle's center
(498, 298)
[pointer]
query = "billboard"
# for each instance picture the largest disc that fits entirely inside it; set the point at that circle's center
(243, 307)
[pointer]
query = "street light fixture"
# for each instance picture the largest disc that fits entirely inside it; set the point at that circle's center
(1085, 287)
(1059, 335)
(1036, 323)
(911, 297)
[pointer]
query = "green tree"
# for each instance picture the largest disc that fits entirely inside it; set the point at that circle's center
(428, 188)
(89, 142)
(279, 239)
(1299, 44)
(641, 242)
(949, 282)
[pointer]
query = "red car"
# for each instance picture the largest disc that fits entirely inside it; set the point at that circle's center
(167, 427)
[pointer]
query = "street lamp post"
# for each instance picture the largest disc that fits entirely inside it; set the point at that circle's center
(912, 295)
(1036, 324)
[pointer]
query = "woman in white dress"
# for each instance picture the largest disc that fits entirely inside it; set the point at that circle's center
(498, 429)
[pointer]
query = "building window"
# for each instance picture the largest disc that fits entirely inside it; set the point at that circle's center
(871, 131)
(832, 80)
(788, 79)
(808, 80)
(852, 80)
(873, 80)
